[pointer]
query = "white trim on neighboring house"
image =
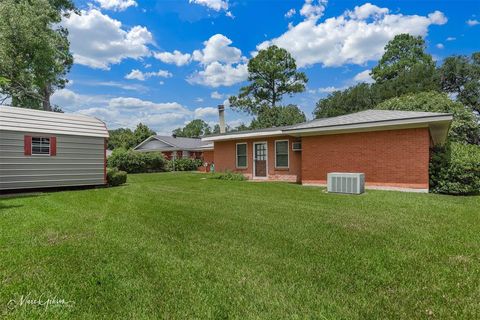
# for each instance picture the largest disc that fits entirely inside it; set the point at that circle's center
(266, 160)
(145, 141)
(288, 153)
(236, 155)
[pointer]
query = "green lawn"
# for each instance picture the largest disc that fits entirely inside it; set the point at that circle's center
(180, 246)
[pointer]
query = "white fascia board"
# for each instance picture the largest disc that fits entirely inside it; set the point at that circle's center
(245, 135)
(367, 125)
(145, 141)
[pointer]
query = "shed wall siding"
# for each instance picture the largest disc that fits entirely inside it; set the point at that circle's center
(79, 161)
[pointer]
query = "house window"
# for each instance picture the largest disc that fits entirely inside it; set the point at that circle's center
(185, 154)
(40, 146)
(241, 155)
(281, 154)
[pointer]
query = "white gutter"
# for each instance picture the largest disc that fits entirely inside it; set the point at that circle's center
(244, 135)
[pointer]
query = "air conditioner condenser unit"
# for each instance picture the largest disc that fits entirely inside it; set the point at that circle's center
(343, 182)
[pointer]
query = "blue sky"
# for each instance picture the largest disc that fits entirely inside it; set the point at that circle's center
(165, 63)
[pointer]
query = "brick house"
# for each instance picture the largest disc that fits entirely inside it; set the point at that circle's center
(392, 149)
(178, 147)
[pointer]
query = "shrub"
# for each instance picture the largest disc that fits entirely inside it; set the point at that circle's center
(183, 164)
(229, 175)
(455, 169)
(116, 177)
(136, 162)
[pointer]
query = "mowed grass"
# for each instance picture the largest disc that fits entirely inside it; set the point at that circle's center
(181, 246)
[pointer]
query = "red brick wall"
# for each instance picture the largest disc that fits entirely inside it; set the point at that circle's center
(225, 159)
(396, 158)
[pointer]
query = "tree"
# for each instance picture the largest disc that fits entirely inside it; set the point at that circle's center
(465, 127)
(272, 74)
(460, 76)
(353, 99)
(121, 138)
(402, 54)
(127, 139)
(194, 129)
(278, 116)
(142, 132)
(34, 54)
(404, 68)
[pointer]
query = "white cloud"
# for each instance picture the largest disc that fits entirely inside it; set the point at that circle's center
(199, 99)
(116, 5)
(313, 9)
(440, 46)
(355, 37)
(216, 74)
(99, 41)
(451, 39)
(217, 95)
(472, 22)
(366, 11)
(223, 65)
(290, 13)
(330, 89)
(363, 76)
(217, 48)
(117, 112)
(206, 112)
(175, 57)
(216, 5)
(142, 76)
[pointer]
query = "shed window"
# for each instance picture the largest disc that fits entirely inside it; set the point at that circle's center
(281, 154)
(40, 146)
(241, 155)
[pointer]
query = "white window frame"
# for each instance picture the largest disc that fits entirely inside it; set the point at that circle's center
(246, 155)
(41, 154)
(288, 154)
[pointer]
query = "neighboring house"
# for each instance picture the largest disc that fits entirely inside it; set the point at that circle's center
(40, 149)
(390, 147)
(177, 147)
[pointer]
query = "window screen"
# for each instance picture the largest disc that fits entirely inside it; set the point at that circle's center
(281, 154)
(40, 146)
(242, 155)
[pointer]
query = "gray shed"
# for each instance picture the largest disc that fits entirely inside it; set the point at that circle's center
(40, 149)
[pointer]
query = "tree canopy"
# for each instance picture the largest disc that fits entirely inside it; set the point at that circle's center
(406, 69)
(127, 139)
(278, 116)
(460, 76)
(34, 55)
(194, 129)
(402, 54)
(465, 127)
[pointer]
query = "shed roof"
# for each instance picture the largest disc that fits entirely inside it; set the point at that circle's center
(31, 120)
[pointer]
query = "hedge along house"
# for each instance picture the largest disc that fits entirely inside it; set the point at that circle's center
(40, 149)
(392, 149)
(178, 147)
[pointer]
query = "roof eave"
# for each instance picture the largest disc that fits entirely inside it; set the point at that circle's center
(244, 135)
(411, 122)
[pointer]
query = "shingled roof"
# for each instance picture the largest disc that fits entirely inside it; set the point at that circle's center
(367, 120)
(178, 143)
